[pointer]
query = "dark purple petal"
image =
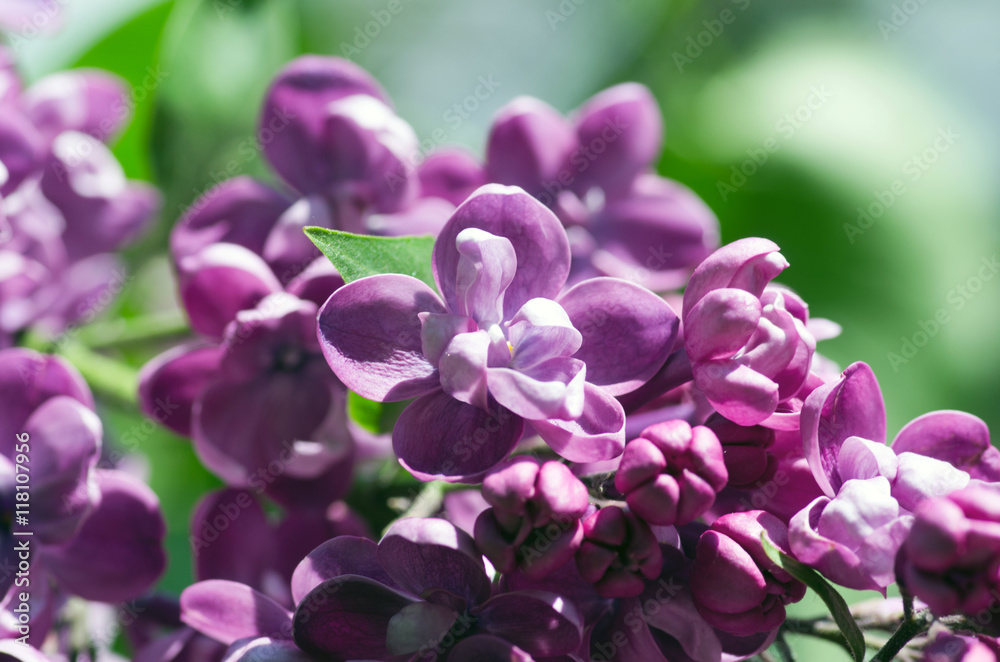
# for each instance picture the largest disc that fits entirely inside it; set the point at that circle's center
(484, 648)
(528, 144)
(27, 379)
(852, 406)
(231, 538)
(451, 174)
(265, 648)
(956, 437)
(428, 554)
(746, 264)
(438, 437)
(620, 133)
(240, 211)
(316, 282)
(542, 624)
(228, 611)
(287, 248)
(220, 281)
(599, 434)
(171, 382)
(344, 555)
(347, 618)
(371, 336)
(538, 239)
(89, 101)
(612, 313)
(20, 150)
(118, 553)
(294, 113)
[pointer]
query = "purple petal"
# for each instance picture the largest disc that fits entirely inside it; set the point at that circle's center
(316, 282)
(347, 618)
(118, 553)
(852, 406)
(599, 434)
(428, 554)
(239, 211)
(921, 477)
(638, 324)
(620, 133)
(437, 330)
(863, 459)
(738, 392)
(538, 239)
(88, 101)
(344, 555)
(677, 616)
(486, 267)
(451, 174)
(553, 389)
(463, 368)
(265, 648)
(371, 336)
(720, 324)
(28, 379)
(227, 611)
(528, 144)
(438, 437)
(231, 538)
(220, 281)
(20, 150)
(65, 441)
(541, 330)
(287, 248)
(171, 382)
(294, 113)
(956, 437)
(542, 624)
(485, 648)
(747, 264)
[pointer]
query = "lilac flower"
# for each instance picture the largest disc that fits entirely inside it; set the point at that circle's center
(596, 172)
(534, 523)
(749, 346)
(500, 346)
(255, 394)
(345, 158)
(852, 533)
(671, 473)
(951, 557)
(96, 533)
(948, 647)
(422, 591)
(618, 552)
(64, 199)
(735, 586)
(29, 17)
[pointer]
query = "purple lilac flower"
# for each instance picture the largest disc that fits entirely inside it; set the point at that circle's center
(595, 171)
(949, 647)
(735, 586)
(534, 522)
(748, 344)
(852, 533)
(951, 557)
(671, 473)
(345, 159)
(254, 392)
(502, 345)
(619, 551)
(64, 199)
(422, 590)
(96, 533)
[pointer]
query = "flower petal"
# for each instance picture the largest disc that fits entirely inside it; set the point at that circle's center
(371, 336)
(541, 330)
(451, 174)
(86, 100)
(738, 392)
(540, 623)
(463, 368)
(956, 437)
(343, 555)
(720, 324)
(746, 264)
(171, 382)
(231, 538)
(612, 313)
(528, 144)
(553, 389)
(228, 611)
(265, 648)
(486, 267)
(598, 434)
(485, 648)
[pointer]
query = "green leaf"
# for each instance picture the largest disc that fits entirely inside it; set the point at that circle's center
(357, 256)
(377, 417)
(834, 602)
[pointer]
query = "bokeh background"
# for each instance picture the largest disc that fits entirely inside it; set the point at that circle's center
(790, 118)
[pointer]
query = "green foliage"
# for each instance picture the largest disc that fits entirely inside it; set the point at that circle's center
(357, 256)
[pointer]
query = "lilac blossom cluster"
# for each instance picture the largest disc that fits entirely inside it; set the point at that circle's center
(601, 466)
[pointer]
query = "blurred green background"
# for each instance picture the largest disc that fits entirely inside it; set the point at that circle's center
(829, 108)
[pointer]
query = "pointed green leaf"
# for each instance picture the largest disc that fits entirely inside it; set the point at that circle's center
(357, 255)
(834, 601)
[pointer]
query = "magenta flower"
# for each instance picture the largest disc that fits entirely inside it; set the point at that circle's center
(671, 473)
(748, 346)
(595, 172)
(421, 591)
(951, 557)
(502, 344)
(735, 586)
(255, 394)
(618, 553)
(534, 522)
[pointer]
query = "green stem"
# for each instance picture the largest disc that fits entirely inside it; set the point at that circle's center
(908, 629)
(784, 650)
(106, 376)
(152, 327)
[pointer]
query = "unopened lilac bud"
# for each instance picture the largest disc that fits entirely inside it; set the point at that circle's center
(735, 587)
(534, 524)
(951, 557)
(745, 451)
(671, 473)
(618, 554)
